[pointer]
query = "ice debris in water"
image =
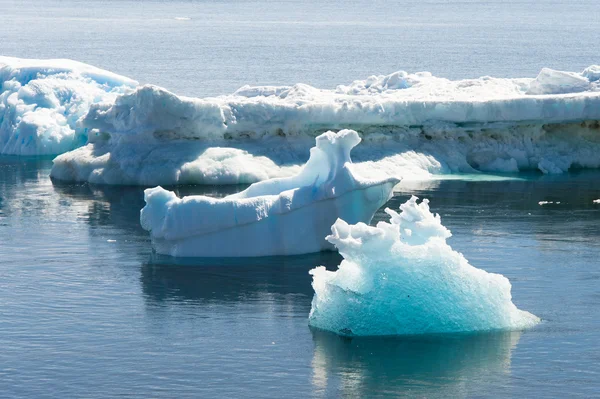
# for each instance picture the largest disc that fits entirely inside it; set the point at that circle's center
(596, 201)
(401, 278)
(41, 102)
(282, 216)
(542, 203)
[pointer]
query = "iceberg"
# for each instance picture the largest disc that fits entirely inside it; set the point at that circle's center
(283, 216)
(41, 102)
(413, 125)
(402, 278)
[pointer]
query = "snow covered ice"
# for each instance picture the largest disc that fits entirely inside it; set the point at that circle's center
(402, 278)
(413, 125)
(42, 100)
(283, 216)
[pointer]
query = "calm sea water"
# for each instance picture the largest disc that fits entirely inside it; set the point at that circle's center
(212, 47)
(88, 311)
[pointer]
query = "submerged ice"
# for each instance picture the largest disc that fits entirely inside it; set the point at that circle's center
(284, 216)
(414, 125)
(403, 278)
(41, 102)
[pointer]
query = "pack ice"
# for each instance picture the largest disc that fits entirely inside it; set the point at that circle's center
(414, 125)
(41, 102)
(402, 278)
(283, 216)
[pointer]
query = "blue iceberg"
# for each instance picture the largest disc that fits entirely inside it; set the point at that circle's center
(402, 278)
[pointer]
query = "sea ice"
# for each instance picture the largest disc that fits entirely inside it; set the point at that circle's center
(42, 100)
(596, 201)
(412, 125)
(283, 216)
(403, 278)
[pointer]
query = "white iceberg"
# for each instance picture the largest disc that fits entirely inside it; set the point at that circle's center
(284, 216)
(41, 102)
(402, 278)
(412, 125)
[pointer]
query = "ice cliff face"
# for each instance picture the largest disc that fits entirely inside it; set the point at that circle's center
(402, 278)
(284, 216)
(42, 100)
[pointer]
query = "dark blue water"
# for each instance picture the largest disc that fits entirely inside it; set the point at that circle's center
(86, 309)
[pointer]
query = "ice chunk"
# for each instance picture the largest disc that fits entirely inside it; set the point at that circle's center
(283, 216)
(542, 203)
(403, 278)
(42, 100)
(550, 81)
(592, 73)
(596, 201)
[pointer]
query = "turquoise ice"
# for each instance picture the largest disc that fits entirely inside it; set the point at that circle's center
(401, 278)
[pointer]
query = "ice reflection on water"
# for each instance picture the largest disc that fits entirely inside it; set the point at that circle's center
(436, 365)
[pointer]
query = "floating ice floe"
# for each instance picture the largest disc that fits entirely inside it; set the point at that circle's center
(413, 125)
(42, 100)
(596, 201)
(284, 216)
(542, 203)
(403, 278)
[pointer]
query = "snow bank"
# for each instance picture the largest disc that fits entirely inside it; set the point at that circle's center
(403, 278)
(412, 124)
(42, 100)
(284, 216)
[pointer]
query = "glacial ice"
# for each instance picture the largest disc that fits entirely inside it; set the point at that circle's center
(402, 278)
(283, 216)
(42, 100)
(413, 125)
